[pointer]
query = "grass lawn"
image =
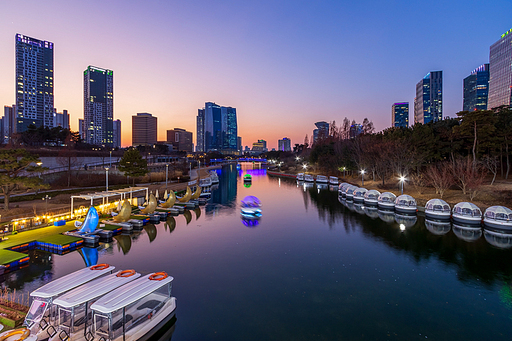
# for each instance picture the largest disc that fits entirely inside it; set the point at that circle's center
(59, 239)
(28, 236)
(7, 256)
(109, 227)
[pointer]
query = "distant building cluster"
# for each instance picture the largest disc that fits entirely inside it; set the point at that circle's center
(487, 87)
(217, 129)
(284, 145)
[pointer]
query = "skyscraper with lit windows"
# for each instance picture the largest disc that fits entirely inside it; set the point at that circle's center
(217, 129)
(500, 72)
(34, 82)
(400, 115)
(428, 103)
(476, 89)
(99, 106)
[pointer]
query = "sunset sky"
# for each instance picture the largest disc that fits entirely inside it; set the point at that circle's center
(283, 64)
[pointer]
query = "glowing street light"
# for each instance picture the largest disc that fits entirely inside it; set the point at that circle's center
(402, 180)
(362, 177)
(166, 174)
(344, 169)
(297, 158)
(305, 166)
(106, 173)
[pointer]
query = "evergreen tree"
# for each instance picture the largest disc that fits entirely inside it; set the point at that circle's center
(132, 164)
(15, 167)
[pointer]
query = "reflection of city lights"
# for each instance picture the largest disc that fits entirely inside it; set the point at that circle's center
(402, 227)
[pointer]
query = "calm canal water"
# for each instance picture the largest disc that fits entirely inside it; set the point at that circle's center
(312, 269)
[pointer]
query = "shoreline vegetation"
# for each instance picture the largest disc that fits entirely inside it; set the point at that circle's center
(498, 194)
(466, 158)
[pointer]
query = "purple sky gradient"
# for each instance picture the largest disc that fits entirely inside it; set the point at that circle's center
(283, 64)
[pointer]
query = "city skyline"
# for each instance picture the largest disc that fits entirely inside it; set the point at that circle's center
(274, 69)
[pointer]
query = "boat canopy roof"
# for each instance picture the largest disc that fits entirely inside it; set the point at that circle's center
(68, 282)
(372, 194)
(467, 208)
(333, 177)
(498, 212)
(437, 205)
(360, 192)
(405, 199)
(94, 289)
(350, 189)
(387, 196)
(129, 293)
(342, 187)
(321, 177)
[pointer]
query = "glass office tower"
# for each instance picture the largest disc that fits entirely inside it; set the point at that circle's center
(476, 89)
(99, 106)
(34, 82)
(500, 71)
(428, 103)
(217, 129)
(400, 115)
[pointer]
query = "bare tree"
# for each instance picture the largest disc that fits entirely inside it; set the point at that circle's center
(67, 159)
(475, 180)
(440, 177)
(468, 176)
(492, 164)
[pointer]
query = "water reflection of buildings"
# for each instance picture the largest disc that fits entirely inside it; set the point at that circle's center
(225, 195)
(474, 258)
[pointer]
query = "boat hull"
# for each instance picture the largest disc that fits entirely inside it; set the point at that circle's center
(386, 206)
(507, 226)
(477, 221)
(437, 215)
(405, 209)
(359, 200)
(371, 202)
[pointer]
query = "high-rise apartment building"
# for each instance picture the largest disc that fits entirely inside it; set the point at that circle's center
(400, 115)
(34, 82)
(321, 132)
(284, 145)
(8, 123)
(117, 134)
(81, 128)
(500, 75)
(355, 130)
(239, 143)
(144, 129)
(476, 89)
(61, 119)
(180, 139)
(99, 106)
(200, 131)
(217, 129)
(428, 103)
(260, 146)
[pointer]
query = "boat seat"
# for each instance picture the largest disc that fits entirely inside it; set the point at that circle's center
(151, 304)
(119, 323)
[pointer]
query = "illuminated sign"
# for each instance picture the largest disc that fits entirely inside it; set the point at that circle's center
(506, 33)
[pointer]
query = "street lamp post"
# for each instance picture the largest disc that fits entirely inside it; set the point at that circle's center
(305, 168)
(402, 180)
(110, 162)
(46, 198)
(344, 169)
(362, 177)
(106, 173)
(39, 164)
(166, 174)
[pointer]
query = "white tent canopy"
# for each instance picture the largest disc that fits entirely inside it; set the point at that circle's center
(437, 205)
(123, 193)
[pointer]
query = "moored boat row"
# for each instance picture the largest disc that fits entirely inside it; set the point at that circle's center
(497, 217)
(96, 303)
(319, 178)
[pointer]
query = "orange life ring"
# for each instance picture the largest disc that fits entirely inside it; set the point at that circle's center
(157, 276)
(102, 266)
(126, 273)
(25, 332)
